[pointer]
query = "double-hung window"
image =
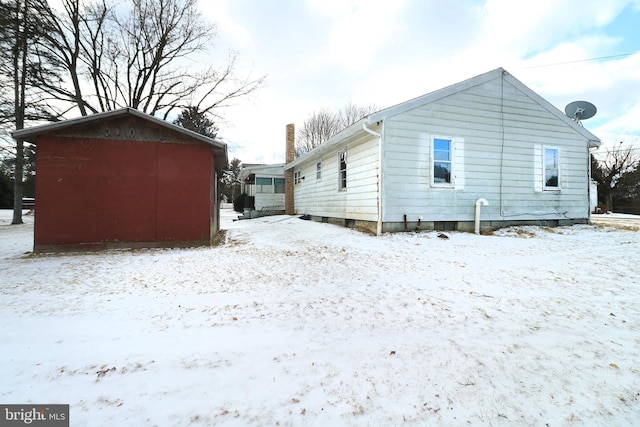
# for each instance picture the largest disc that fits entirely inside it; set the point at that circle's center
(297, 178)
(342, 170)
(551, 169)
(442, 164)
(319, 171)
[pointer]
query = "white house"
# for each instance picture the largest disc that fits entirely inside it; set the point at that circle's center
(264, 185)
(428, 163)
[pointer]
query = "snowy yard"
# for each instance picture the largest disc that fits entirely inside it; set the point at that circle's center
(292, 322)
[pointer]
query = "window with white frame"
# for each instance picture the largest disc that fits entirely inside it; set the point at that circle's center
(319, 171)
(269, 185)
(278, 185)
(442, 164)
(551, 160)
(342, 170)
(264, 185)
(297, 178)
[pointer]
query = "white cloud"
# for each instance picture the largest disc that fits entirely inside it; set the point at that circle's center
(328, 52)
(232, 31)
(522, 28)
(356, 29)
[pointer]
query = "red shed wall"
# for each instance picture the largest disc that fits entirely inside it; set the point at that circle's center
(103, 193)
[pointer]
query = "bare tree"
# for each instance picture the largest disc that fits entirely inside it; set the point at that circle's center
(316, 129)
(614, 163)
(351, 113)
(323, 124)
(141, 54)
(21, 28)
(627, 192)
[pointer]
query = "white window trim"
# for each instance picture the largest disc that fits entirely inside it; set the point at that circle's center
(544, 168)
(451, 160)
(296, 177)
(319, 171)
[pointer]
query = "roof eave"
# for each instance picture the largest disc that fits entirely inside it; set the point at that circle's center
(31, 134)
(28, 133)
(346, 133)
(275, 169)
(593, 141)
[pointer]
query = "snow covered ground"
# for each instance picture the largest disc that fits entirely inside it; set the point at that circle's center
(292, 322)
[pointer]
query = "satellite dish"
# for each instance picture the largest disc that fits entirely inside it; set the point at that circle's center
(580, 110)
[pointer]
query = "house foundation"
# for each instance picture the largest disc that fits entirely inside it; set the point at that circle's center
(486, 227)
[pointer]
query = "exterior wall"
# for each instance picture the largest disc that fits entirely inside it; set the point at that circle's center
(115, 193)
(322, 198)
(264, 200)
(269, 200)
(497, 156)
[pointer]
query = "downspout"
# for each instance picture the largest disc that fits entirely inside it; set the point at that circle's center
(478, 202)
(379, 192)
(589, 155)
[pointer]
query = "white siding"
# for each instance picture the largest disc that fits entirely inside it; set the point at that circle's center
(496, 149)
(268, 200)
(323, 198)
(264, 200)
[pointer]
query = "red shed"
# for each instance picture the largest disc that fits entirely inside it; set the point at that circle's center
(123, 178)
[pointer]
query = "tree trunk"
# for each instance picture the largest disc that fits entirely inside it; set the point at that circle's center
(17, 183)
(19, 80)
(609, 201)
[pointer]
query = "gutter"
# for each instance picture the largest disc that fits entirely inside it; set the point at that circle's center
(328, 145)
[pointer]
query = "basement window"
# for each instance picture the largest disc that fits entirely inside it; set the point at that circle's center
(342, 170)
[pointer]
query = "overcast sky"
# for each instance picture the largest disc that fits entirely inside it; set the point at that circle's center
(326, 53)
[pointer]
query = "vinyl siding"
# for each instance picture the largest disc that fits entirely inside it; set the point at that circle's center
(323, 198)
(269, 200)
(266, 200)
(497, 159)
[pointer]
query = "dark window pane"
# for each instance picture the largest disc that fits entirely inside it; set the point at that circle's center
(441, 172)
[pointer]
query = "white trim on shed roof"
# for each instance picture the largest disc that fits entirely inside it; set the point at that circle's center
(31, 133)
(49, 127)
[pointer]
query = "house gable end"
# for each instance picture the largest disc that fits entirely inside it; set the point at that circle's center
(474, 82)
(433, 96)
(594, 141)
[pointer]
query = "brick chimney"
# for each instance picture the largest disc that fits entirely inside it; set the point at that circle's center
(290, 155)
